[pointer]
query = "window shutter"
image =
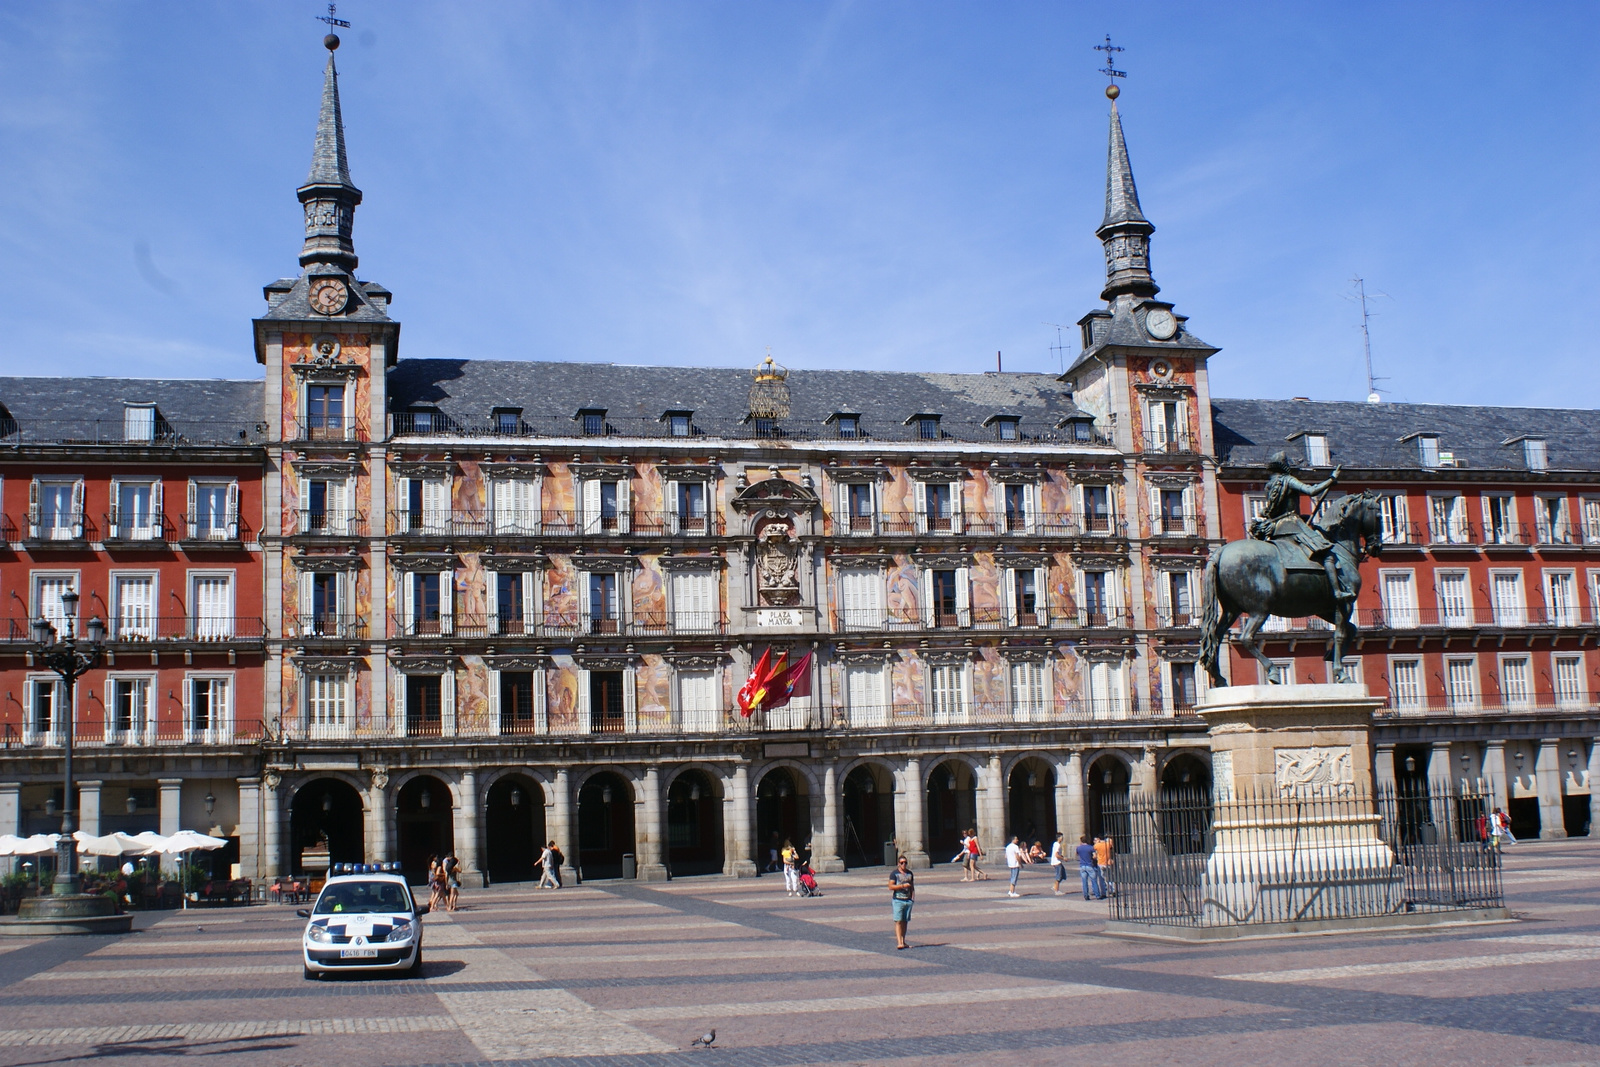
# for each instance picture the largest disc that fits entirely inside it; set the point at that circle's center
(158, 512)
(674, 519)
(494, 725)
(188, 709)
(1008, 596)
(530, 600)
(630, 702)
(435, 503)
(191, 525)
(447, 703)
(956, 507)
(927, 597)
(1183, 420)
(590, 495)
(408, 602)
(33, 508)
(963, 598)
(624, 505)
(841, 508)
(491, 583)
(400, 701)
(541, 702)
(305, 604)
(77, 509)
(447, 598)
(585, 709)
(919, 500)
(114, 525)
(1041, 597)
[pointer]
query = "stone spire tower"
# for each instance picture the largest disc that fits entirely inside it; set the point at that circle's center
(1125, 232)
(330, 198)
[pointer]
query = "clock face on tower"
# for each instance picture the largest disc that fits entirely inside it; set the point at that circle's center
(1161, 324)
(329, 296)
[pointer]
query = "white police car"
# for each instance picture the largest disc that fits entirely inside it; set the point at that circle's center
(362, 921)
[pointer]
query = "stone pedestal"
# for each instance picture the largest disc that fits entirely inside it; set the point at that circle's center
(73, 913)
(1295, 820)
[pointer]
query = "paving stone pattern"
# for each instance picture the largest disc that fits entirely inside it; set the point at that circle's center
(627, 973)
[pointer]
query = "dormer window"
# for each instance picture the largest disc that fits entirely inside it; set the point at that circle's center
(507, 420)
(1005, 427)
(427, 421)
(680, 422)
(1535, 453)
(138, 422)
(927, 425)
(592, 421)
(1317, 449)
(1079, 428)
(846, 424)
(1428, 450)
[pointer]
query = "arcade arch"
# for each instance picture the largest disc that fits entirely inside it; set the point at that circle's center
(868, 815)
(1106, 797)
(424, 824)
(605, 825)
(952, 807)
(694, 824)
(783, 813)
(326, 809)
(513, 828)
(1031, 802)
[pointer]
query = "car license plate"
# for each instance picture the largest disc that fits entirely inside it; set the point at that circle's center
(360, 952)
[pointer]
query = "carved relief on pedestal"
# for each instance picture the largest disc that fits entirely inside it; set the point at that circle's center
(777, 564)
(1315, 770)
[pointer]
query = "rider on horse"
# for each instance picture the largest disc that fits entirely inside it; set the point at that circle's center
(1280, 520)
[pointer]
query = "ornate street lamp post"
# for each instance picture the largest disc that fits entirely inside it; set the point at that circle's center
(61, 653)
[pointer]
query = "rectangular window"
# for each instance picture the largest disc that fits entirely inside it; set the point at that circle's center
(1550, 515)
(1516, 686)
(606, 707)
(1447, 516)
(1096, 606)
(326, 706)
(1591, 520)
(47, 603)
(325, 412)
(211, 605)
(424, 705)
(1396, 523)
(508, 422)
(427, 605)
(1317, 450)
(516, 505)
(1097, 509)
(516, 703)
(60, 511)
(858, 498)
(1405, 684)
(1185, 687)
(1028, 693)
(594, 423)
(1107, 691)
(508, 595)
(602, 506)
(44, 698)
(1535, 454)
(1500, 520)
(138, 423)
(945, 609)
(1569, 688)
(849, 426)
(1019, 508)
(1180, 598)
(131, 716)
(1428, 451)
(1509, 606)
(1166, 426)
(1006, 429)
(1399, 599)
(1174, 516)
(1461, 683)
(604, 615)
(210, 709)
(692, 507)
(699, 701)
(324, 507)
(214, 514)
(861, 599)
(1454, 605)
(427, 505)
(1561, 598)
(864, 689)
(936, 507)
(133, 600)
(1025, 591)
(135, 513)
(949, 702)
(928, 429)
(326, 605)
(694, 602)
(678, 425)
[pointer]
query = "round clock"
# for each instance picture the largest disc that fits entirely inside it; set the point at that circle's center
(1161, 323)
(329, 296)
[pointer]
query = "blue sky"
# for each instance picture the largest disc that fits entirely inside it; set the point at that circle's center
(872, 184)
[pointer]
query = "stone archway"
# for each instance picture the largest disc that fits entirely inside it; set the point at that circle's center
(1106, 798)
(513, 828)
(424, 825)
(951, 797)
(605, 825)
(1031, 802)
(868, 815)
(326, 810)
(1186, 805)
(694, 824)
(783, 813)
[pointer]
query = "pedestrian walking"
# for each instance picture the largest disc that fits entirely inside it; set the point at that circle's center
(433, 883)
(975, 856)
(546, 861)
(791, 875)
(440, 888)
(452, 882)
(961, 856)
(1015, 855)
(557, 861)
(1088, 871)
(904, 887)
(1104, 855)
(1058, 862)
(1505, 826)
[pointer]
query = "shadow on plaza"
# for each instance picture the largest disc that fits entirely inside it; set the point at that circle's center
(167, 1047)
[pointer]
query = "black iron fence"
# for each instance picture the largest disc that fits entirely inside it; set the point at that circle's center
(1187, 858)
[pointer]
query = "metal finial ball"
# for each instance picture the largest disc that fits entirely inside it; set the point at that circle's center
(1112, 92)
(331, 41)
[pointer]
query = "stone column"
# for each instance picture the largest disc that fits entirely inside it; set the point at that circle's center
(558, 823)
(649, 831)
(89, 807)
(825, 859)
(1594, 790)
(1440, 782)
(467, 821)
(11, 816)
(171, 820)
(1547, 775)
(1383, 765)
(273, 860)
(1494, 772)
(992, 808)
(737, 824)
(1069, 798)
(378, 846)
(249, 829)
(914, 801)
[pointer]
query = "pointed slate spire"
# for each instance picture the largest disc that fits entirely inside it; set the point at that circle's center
(1124, 232)
(329, 196)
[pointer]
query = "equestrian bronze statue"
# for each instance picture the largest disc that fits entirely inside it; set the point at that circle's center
(1292, 567)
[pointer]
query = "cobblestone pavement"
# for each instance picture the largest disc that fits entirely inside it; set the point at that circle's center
(626, 973)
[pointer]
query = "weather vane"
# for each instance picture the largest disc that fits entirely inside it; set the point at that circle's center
(1109, 70)
(332, 18)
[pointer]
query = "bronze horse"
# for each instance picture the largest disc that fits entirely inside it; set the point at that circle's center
(1250, 578)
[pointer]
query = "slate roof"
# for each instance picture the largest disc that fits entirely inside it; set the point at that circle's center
(201, 411)
(329, 164)
(1122, 196)
(1373, 436)
(289, 300)
(635, 397)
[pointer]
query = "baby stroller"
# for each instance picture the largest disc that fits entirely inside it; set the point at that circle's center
(808, 881)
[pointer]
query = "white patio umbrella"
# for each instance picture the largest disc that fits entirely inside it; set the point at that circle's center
(113, 844)
(34, 845)
(185, 841)
(152, 842)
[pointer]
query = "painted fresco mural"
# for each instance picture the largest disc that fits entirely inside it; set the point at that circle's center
(562, 696)
(653, 678)
(908, 684)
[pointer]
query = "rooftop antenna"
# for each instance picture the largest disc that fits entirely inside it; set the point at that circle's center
(1373, 391)
(1110, 70)
(1059, 348)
